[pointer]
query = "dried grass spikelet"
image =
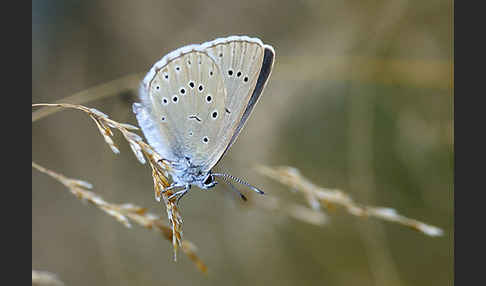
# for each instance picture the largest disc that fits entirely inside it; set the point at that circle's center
(317, 196)
(44, 278)
(124, 213)
(142, 151)
(159, 175)
(293, 210)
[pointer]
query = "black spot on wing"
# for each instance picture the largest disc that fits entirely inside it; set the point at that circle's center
(265, 71)
(194, 117)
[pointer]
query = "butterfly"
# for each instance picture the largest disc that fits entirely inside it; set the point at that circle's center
(195, 102)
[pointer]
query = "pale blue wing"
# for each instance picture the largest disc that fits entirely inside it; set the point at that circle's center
(246, 64)
(182, 108)
(182, 122)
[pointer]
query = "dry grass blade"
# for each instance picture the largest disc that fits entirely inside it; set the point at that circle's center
(44, 278)
(317, 196)
(142, 151)
(295, 211)
(124, 213)
(114, 87)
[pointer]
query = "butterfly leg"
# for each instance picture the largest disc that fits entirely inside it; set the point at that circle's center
(186, 190)
(173, 187)
(180, 194)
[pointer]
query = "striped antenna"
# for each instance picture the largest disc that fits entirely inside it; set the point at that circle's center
(240, 181)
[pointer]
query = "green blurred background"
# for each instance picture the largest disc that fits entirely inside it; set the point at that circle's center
(360, 99)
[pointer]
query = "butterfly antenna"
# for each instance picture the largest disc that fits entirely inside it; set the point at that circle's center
(240, 181)
(235, 189)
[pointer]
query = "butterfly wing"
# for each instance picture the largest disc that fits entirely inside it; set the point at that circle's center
(246, 64)
(182, 110)
(180, 121)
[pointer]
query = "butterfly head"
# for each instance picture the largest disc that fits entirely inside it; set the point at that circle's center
(208, 182)
(186, 173)
(203, 181)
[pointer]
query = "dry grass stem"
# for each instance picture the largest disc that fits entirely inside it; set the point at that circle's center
(142, 151)
(124, 213)
(317, 196)
(295, 211)
(114, 87)
(44, 278)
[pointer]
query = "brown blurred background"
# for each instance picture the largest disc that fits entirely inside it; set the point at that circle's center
(360, 99)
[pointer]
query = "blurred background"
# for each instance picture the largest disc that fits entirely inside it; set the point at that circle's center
(360, 99)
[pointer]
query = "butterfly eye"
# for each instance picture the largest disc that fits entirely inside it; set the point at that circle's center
(215, 114)
(191, 84)
(206, 139)
(208, 99)
(175, 98)
(245, 79)
(238, 74)
(183, 91)
(201, 87)
(178, 68)
(165, 101)
(230, 72)
(157, 87)
(208, 180)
